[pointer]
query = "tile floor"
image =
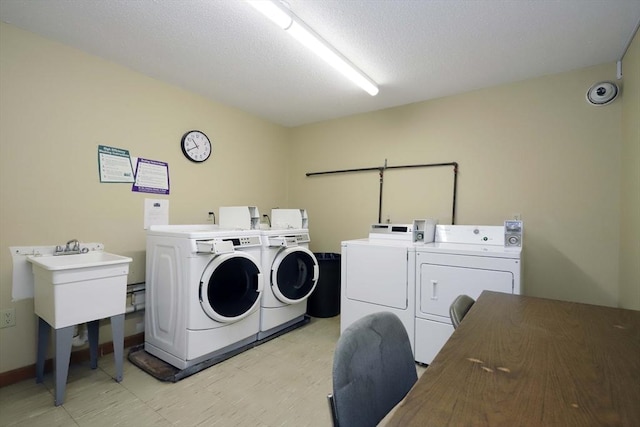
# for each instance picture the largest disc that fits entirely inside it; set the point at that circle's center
(283, 382)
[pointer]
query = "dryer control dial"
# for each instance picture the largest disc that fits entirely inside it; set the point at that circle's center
(513, 233)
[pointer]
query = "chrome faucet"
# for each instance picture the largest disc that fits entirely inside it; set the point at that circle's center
(72, 247)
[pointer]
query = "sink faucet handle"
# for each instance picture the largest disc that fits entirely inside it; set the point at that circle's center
(75, 247)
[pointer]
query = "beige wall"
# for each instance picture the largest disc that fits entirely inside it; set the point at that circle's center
(535, 148)
(56, 106)
(630, 176)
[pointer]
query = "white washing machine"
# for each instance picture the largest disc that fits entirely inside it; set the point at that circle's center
(291, 274)
(378, 274)
(462, 260)
(203, 292)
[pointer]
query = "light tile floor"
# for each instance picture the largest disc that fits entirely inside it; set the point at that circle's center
(283, 382)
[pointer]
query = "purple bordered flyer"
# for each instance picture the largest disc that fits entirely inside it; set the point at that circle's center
(152, 176)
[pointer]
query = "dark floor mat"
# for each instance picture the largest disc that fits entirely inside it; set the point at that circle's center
(159, 369)
(163, 371)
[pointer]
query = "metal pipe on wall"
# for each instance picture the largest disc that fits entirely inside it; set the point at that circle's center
(381, 170)
(133, 291)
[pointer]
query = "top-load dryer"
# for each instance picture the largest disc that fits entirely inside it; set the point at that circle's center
(203, 292)
(463, 259)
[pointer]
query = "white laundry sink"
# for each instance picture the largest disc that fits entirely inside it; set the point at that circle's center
(74, 289)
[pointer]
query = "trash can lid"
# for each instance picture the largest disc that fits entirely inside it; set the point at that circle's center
(326, 256)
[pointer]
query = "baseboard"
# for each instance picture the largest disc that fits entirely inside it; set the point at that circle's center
(82, 355)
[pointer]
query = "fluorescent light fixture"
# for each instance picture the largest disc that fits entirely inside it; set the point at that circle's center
(297, 29)
(269, 9)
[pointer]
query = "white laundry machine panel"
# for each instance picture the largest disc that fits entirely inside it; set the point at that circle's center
(291, 274)
(386, 286)
(203, 292)
(450, 267)
(456, 275)
(378, 275)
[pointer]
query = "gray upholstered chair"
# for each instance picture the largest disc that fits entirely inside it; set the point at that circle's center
(373, 369)
(459, 308)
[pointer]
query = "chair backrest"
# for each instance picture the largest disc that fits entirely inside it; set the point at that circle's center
(373, 369)
(459, 308)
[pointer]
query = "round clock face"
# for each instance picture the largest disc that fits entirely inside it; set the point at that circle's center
(196, 146)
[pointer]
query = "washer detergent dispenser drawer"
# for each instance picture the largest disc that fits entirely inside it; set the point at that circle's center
(79, 288)
(214, 246)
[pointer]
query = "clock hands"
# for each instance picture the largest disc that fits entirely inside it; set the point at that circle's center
(194, 141)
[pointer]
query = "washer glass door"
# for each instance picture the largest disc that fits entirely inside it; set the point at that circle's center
(230, 287)
(294, 274)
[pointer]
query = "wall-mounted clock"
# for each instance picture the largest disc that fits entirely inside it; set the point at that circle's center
(196, 146)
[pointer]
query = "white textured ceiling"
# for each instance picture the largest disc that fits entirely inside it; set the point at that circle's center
(415, 50)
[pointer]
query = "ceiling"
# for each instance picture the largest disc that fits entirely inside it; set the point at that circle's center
(415, 50)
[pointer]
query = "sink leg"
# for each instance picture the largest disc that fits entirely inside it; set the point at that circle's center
(117, 330)
(64, 338)
(43, 342)
(93, 328)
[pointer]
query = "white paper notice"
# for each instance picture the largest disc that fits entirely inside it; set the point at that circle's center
(156, 212)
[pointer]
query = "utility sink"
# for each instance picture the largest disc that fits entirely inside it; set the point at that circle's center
(78, 261)
(79, 288)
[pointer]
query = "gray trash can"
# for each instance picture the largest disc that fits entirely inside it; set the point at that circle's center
(325, 299)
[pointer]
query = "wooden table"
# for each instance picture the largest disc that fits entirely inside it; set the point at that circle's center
(524, 361)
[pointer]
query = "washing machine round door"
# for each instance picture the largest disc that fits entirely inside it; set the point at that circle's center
(230, 287)
(294, 274)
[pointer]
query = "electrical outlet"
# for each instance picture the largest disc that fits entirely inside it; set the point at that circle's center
(7, 318)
